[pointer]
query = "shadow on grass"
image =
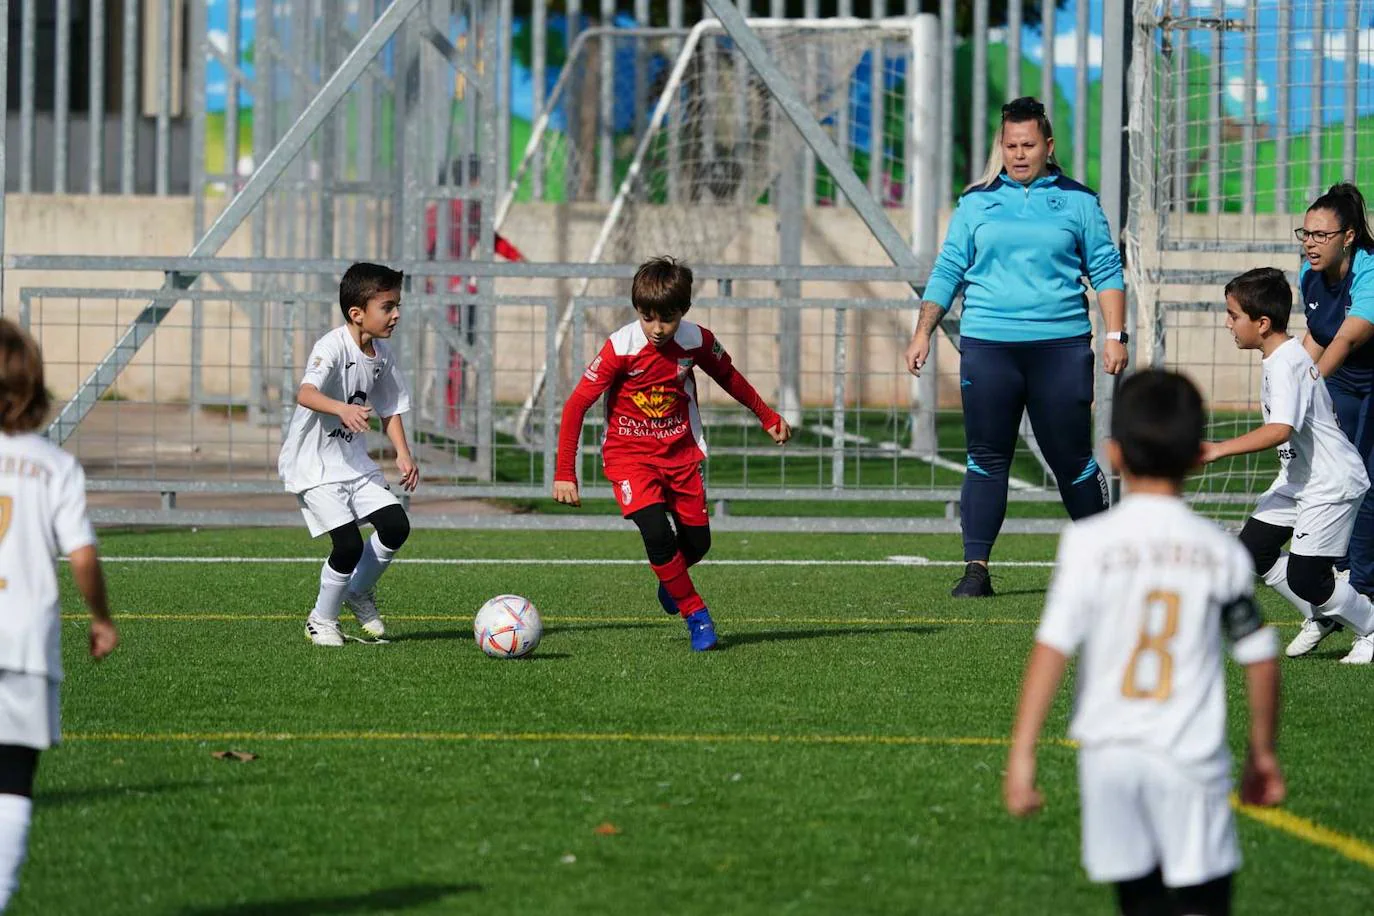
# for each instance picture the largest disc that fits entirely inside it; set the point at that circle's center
(729, 640)
(1007, 593)
(608, 625)
(460, 635)
(388, 900)
(60, 798)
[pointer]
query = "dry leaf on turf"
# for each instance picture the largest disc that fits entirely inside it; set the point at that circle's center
(241, 756)
(606, 829)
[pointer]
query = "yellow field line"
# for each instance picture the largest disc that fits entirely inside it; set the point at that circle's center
(558, 737)
(1342, 844)
(646, 619)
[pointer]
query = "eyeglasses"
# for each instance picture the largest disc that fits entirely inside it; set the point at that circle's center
(1026, 107)
(1321, 238)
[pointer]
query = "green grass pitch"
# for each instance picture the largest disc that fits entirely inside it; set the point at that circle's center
(842, 754)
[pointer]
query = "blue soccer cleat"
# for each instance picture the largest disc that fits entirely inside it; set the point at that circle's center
(702, 630)
(665, 599)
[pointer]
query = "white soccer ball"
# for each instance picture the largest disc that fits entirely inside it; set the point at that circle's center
(507, 626)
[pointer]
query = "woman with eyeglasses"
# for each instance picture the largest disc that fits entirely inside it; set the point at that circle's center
(1021, 239)
(1337, 287)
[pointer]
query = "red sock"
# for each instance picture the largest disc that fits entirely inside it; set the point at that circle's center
(678, 584)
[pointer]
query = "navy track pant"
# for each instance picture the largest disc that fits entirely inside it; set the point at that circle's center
(1051, 381)
(1352, 396)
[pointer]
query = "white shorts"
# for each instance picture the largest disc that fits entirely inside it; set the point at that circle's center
(1141, 809)
(332, 505)
(1319, 529)
(28, 710)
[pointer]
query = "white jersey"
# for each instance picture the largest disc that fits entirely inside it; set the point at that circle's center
(316, 448)
(42, 514)
(1319, 465)
(1147, 590)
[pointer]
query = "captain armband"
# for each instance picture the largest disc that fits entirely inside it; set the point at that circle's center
(1240, 618)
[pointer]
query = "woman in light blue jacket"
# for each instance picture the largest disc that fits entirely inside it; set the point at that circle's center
(1020, 242)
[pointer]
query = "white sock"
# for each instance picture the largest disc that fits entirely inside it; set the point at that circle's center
(332, 586)
(1350, 608)
(15, 811)
(376, 558)
(1277, 579)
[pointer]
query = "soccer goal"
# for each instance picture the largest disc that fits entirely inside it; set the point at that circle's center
(1241, 115)
(717, 143)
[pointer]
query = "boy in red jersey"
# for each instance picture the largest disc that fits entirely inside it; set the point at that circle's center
(654, 445)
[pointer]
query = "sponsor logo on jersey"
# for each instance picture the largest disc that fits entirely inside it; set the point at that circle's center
(633, 372)
(684, 365)
(625, 495)
(1313, 373)
(1057, 202)
(658, 401)
(717, 349)
(592, 367)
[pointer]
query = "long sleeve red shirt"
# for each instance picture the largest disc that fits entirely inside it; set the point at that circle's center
(652, 417)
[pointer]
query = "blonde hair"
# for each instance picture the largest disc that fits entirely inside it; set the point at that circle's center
(1017, 111)
(24, 401)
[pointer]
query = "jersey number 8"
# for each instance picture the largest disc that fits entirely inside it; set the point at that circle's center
(1156, 643)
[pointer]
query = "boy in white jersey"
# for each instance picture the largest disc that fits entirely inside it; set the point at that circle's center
(42, 514)
(1321, 480)
(351, 374)
(1148, 592)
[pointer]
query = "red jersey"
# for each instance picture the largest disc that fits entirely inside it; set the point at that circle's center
(651, 400)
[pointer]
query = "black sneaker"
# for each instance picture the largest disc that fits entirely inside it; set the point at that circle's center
(976, 582)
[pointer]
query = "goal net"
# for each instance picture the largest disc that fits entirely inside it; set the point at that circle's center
(1242, 114)
(716, 143)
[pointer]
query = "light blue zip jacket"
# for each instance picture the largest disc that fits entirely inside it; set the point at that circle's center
(1017, 254)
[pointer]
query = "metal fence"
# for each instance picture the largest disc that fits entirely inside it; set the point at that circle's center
(337, 138)
(1243, 112)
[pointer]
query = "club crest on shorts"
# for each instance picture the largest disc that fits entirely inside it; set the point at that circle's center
(1057, 202)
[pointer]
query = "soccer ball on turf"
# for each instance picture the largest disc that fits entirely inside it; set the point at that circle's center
(507, 626)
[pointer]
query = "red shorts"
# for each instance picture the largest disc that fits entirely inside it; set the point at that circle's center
(680, 489)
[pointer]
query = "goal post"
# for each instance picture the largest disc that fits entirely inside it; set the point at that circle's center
(724, 130)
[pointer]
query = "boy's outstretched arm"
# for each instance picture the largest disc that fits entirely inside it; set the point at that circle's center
(90, 581)
(1256, 647)
(1044, 672)
(717, 364)
(1270, 435)
(405, 462)
(1262, 780)
(599, 374)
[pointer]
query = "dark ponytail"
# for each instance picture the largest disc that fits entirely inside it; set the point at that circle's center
(1346, 201)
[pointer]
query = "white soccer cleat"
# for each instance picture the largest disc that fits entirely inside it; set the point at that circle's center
(1312, 633)
(323, 632)
(1362, 653)
(364, 607)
